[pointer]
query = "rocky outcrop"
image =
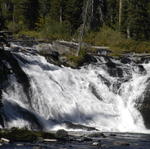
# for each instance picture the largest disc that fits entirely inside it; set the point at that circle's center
(71, 125)
(144, 105)
(9, 65)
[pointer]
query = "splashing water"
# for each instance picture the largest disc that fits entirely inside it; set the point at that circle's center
(78, 95)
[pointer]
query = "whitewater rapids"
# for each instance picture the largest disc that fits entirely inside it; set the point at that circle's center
(86, 96)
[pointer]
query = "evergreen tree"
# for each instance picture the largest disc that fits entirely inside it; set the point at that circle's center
(138, 19)
(112, 8)
(31, 13)
(73, 13)
(45, 6)
(55, 10)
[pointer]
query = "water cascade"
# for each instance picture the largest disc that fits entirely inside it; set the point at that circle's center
(45, 96)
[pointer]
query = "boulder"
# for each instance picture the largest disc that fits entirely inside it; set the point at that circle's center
(64, 47)
(89, 59)
(125, 60)
(62, 135)
(44, 48)
(139, 69)
(4, 140)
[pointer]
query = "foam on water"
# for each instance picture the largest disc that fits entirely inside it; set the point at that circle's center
(79, 96)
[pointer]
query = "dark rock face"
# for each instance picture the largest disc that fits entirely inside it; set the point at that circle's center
(125, 60)
(114, 69)
(21, 112)
(78, 126)
(89, 59)
(16, 69)
(4, 72)
(95, 92)
(9, 65)
(144, 106)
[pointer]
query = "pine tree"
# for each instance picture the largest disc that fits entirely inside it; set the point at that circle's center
(112, 13)
(31, 13)
(138, 19)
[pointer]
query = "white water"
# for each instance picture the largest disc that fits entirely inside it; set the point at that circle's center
(66, 94)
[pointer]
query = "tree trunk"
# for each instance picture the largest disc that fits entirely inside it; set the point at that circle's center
(83, 28)
(60, 17)
(120, 14)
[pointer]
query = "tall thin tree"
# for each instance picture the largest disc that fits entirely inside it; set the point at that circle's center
(120, 13)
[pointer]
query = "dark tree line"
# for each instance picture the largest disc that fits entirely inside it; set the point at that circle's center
(131, 17)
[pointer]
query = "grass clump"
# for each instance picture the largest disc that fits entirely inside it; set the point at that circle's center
(28, 33)
(117, 42)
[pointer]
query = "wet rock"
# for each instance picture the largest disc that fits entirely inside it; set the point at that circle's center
(139, 69)
(87, 139)
(95, 92)
(89, 59)
(110, 64)
(97, 135)
(143, 105)
(114, 69)
(104, 80)
(121, 143)
(98, 144)
(62, 135)
(116, 72)
(103, 59)
(55, 55)
(78, 126)
(113, 135)
(125, 60)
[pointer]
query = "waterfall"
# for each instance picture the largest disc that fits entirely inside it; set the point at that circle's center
(90, 96)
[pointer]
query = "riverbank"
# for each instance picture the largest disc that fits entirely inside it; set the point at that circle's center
(73, 140)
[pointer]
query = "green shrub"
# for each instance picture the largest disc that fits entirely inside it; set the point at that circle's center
(28, 33)
(55, 30)
(116, 41)
(16, 27)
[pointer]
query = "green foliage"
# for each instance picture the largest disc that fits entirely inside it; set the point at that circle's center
(62, 19)
(31, 13)
(138, 21)
(16, 27)
(28, 33)
(116, 41)
(55, 30)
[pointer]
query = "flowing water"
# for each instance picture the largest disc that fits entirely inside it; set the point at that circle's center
(90, 96)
